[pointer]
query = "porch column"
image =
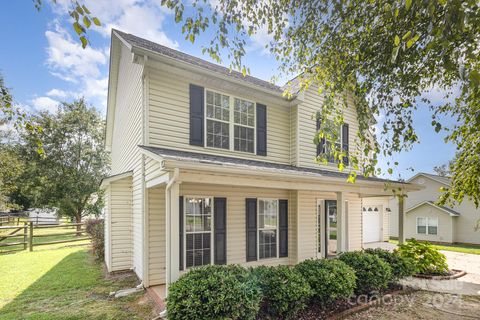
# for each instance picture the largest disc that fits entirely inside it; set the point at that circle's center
(341, 222)
(401, 210)
(172, 233)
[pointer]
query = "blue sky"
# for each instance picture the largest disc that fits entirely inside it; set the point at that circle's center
(42, 63)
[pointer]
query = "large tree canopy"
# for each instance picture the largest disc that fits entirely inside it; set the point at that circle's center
(387, 53)
(68, 175)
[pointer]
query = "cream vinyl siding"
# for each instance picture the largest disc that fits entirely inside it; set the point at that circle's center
(119, 225)
(445, 224)
(307, 127)
(156, 236)
(464, 225)
(236, 217)
(169, 120)
(127, 135)
(294, 135)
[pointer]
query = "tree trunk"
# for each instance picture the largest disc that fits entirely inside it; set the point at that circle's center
(78, 219)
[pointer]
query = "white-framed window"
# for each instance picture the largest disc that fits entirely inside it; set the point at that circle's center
(426, 225)
(267, 212)
(218, 120)
(198, 226)
(333, 139)
(230, 122)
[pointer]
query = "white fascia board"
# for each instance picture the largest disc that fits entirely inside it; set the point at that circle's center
(115, 177)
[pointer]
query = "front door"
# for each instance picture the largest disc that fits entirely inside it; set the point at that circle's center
(331, 227)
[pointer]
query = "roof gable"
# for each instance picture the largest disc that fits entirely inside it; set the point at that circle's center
(440, 179)
(451, 212)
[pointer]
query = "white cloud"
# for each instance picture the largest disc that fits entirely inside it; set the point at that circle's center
(143, 18)
(58, 93)
(68, 60)
(45, 104)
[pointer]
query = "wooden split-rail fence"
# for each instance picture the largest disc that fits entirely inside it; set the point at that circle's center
(30, 235)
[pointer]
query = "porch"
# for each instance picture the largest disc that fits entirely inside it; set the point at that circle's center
(203, 211)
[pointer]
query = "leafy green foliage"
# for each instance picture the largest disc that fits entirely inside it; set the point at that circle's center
(285, 291)
(375, 56)
(81, 16)
(402, 266)
(330, 280)
(427, 259)
(214, 292)
(67, 176)
(95, 228)
(373, 274)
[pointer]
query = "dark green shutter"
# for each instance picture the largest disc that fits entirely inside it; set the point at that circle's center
(261, 129)
(345, 142)
(251, 224)
(180, 207)
(283, 227)
(220, 230)
(196, 115)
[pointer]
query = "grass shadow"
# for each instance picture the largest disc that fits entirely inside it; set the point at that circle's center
(74, 288)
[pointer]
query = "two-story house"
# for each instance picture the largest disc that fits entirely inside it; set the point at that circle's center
(211, 167)
(425, 220)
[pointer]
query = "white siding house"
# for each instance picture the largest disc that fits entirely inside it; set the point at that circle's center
(209, 166)
(425, 220)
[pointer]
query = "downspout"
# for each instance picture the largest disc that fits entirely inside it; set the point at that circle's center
(168, 205)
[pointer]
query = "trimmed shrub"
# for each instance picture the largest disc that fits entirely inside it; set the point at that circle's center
(285, 292)
(95, 229)
(214, 292)
(427, 259)
(402, 267)
(373, 274)
(330, 280)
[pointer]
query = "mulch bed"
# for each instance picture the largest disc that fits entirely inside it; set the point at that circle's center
(452, 274)
(342, 308)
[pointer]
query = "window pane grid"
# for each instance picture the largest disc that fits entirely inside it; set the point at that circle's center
(267, 226)
(198, 226)
(428, 226)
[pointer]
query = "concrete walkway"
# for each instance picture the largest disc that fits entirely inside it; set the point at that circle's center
(466, 285)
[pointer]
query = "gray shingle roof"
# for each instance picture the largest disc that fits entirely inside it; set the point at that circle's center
(254, 164)
(175, 54)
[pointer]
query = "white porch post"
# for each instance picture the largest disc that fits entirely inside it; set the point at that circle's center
(341, 223)
(401, 211)
(172, 232)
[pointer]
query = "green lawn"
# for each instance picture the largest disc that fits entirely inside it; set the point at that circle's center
(463, 248)
(64, 283)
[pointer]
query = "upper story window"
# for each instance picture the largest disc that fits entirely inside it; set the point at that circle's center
(220, 123)
(218, 120)
(335, 140)
(244, 129)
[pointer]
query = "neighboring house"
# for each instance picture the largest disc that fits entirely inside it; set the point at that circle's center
(425, 220)
(209, 166)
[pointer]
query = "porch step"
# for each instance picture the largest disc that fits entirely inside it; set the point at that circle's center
(157, 293)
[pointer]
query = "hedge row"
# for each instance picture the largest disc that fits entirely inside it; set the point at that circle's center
(233, 292)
